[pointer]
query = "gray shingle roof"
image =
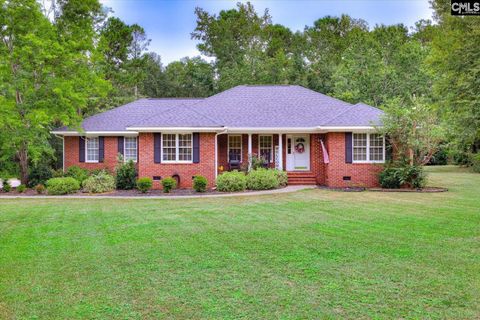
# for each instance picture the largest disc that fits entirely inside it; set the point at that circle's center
(266, 106)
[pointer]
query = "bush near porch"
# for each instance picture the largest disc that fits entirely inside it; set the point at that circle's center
(257, 179)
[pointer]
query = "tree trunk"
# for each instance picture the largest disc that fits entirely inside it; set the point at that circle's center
(22, 155)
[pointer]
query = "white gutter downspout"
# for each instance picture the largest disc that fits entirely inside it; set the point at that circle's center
(216, 151)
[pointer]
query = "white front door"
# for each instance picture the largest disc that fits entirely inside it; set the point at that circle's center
(298, 152)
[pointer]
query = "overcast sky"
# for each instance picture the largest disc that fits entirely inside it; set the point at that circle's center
(169, 23)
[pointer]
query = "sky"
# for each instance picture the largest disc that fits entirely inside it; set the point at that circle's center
(169, 23)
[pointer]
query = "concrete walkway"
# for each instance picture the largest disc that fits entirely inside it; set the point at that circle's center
(287, 189)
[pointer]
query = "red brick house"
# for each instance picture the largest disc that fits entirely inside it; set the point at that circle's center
(315, 138)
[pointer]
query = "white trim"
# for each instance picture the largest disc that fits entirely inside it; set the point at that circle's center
(357, 129)
(272, 130)
(271, 146)
(95, 133)
(177, 147)
(228, 146)
(368, 149)
(249, 151)
(280, 152)
(175, 129)
(216, 152)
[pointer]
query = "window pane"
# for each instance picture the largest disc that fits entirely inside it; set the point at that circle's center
(376, 147)
(130, 145)
(169, 147)
(359, 147)
(92, 149)
(265, 146)
(185, 147)
(234, 147)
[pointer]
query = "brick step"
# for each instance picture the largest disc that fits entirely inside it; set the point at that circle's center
(302, 182)
(292, 180)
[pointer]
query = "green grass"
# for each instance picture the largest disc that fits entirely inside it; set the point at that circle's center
(310, 254)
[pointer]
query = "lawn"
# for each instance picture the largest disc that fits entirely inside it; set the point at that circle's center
(309, 254)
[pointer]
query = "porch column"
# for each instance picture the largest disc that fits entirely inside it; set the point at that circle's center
(280, 152)
(249, 151)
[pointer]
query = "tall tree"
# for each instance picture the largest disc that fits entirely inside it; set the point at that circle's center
(44, 77)
(189, 77)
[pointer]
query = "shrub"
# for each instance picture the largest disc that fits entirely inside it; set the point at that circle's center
(57, 173)
(40, 188)
(169, 184)
(66, 185)
(200, 183)
(126, 175)
(403, 175)
(476, 162)
(262, 179)
(21, 188)
(144, 184)
(6, 185)
(101, 182)
(282, 177)
(389, 178)
(77, 173)
(39, 173)
(231, 181)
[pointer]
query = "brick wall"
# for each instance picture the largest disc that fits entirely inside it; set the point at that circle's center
(206, 167)
(110, 152)
(362, 174)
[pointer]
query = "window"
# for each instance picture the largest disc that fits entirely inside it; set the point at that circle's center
(265, 147)
(92, 149)
(235, 148)
(368, 147)
(130, 148)
(177, 147)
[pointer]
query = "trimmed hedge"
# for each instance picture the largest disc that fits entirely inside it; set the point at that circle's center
(200, 183)
(59, 186)
(231, 181)
(21, 188)
(262, 179)
(101, 182)
(282, 177)
(144, 184)
(394, 177)
(168, 184)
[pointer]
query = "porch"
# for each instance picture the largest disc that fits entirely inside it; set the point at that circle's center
(300, 154)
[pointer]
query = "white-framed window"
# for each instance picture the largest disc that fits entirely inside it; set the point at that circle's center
(130, 148)
(265, 147)
(234, 151)
(177, 147)
(368, 147)
(91, 149)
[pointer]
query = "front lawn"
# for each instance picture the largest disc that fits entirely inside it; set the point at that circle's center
(309, 254)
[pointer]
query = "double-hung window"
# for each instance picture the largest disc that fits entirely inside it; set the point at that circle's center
(130, 148)
(265, 147)
(368, 147)
(91, 149)
(235, 148)
(177, 147)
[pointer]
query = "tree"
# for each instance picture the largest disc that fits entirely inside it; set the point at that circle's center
(413, 130)
(44, 79)
(455, 63)
(189, 77)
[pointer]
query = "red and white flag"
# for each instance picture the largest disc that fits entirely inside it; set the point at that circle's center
(326, 159)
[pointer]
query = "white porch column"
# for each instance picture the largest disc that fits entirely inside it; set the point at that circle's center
(280, 152)
(249, 151)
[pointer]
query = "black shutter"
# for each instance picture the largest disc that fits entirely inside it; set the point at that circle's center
(196, 147)
(101, 149)
(348, 147)
(138, 149)
(81, 149)
(120, 145)
(157, 147)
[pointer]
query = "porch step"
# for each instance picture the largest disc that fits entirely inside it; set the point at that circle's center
(297, 178)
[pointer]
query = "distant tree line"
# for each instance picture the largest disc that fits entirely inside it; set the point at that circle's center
(71, 59)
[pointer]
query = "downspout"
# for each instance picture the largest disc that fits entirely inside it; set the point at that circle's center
(216, 151)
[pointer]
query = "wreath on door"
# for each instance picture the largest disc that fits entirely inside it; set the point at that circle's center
(300, 147)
